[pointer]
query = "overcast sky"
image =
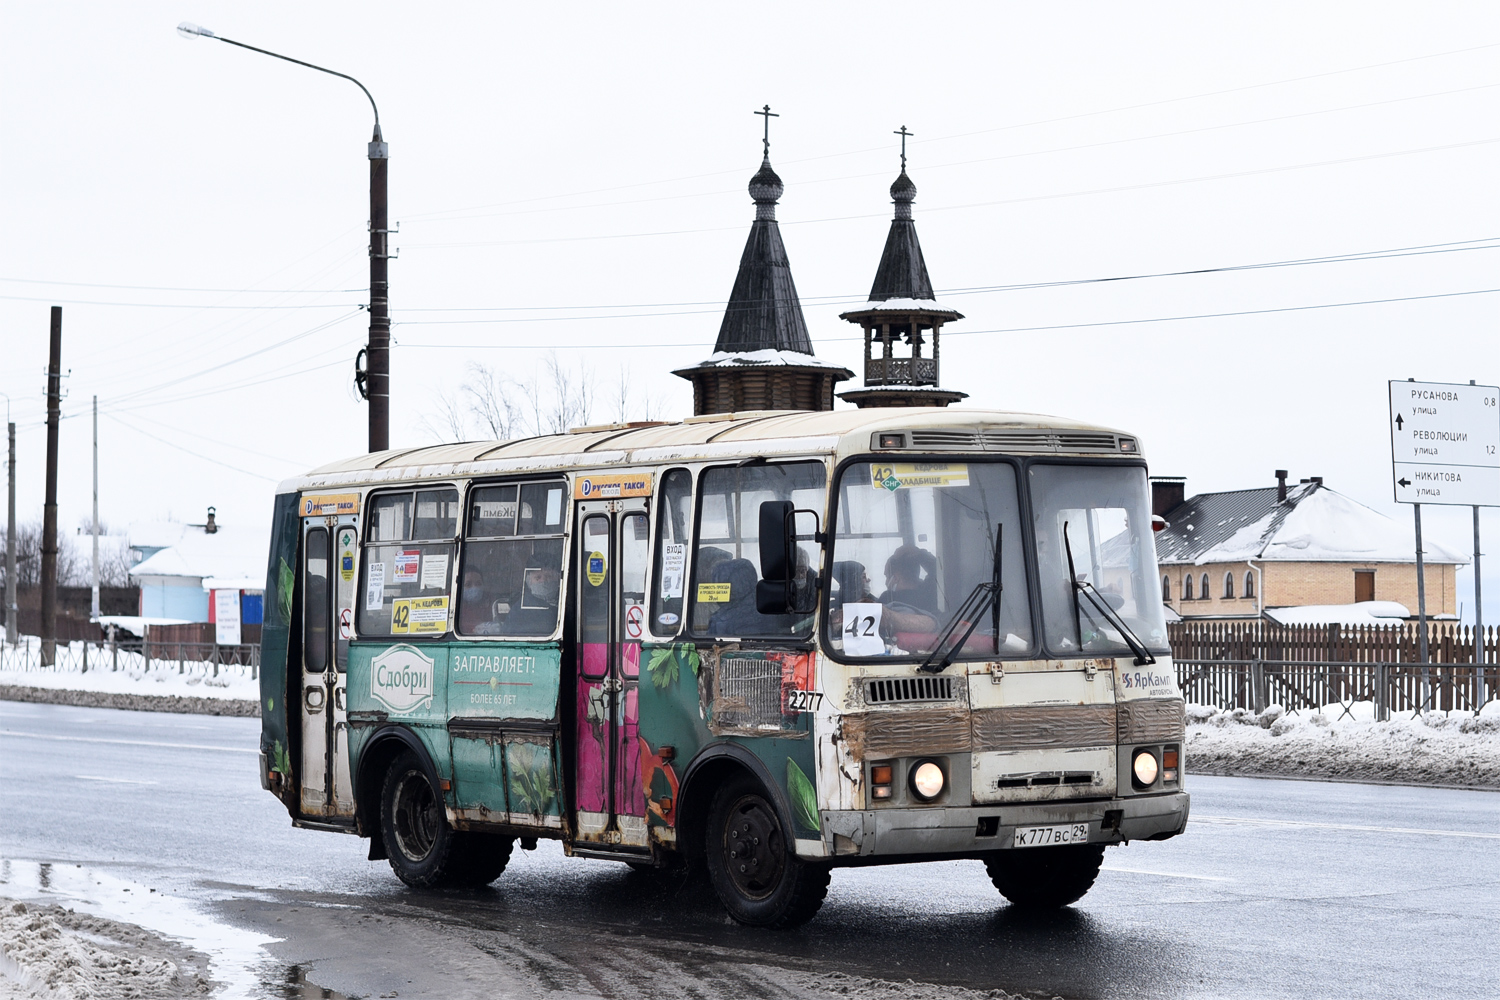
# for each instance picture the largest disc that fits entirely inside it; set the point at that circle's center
(572, 178)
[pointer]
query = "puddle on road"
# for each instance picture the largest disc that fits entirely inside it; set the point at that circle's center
(238, 958)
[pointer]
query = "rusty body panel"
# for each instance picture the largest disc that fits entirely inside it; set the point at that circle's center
(1043, 726)
(1150, 720)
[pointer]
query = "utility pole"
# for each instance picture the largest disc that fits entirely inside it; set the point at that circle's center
(94, 609)
(49, 508)
(378, 361)
(10, 543)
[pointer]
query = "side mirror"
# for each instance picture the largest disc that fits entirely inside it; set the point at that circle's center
(773, 592)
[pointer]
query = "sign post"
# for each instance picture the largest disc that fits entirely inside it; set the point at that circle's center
(1445, 449)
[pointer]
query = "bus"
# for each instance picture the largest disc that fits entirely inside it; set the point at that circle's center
(768, 644)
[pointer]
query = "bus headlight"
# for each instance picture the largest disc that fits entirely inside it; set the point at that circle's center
(1145, 768)
(927, 780)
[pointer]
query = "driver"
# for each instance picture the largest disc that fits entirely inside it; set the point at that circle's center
(910, 596)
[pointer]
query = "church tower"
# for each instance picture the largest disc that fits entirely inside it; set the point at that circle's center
(763, 359)
(901, 309)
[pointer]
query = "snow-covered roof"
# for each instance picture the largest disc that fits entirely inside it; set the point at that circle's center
(156, 534)
(902, 305)
(231, 552)
(253, 583)
(1314, 524)
(1362, 613)
(768, 357)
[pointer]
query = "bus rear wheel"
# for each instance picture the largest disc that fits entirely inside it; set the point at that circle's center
(752, 864)
(425, 852)
(1046, 877)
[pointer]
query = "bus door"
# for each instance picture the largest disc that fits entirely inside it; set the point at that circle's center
(612, 555)
(328, 556)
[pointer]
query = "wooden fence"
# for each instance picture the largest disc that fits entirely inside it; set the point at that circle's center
(1253, 664)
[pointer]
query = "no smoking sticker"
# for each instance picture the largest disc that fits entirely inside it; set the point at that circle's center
(635, 621)
(346, 623)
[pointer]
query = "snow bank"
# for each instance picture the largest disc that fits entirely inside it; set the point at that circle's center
(1434, 749)
(233, 682)
(47, 951)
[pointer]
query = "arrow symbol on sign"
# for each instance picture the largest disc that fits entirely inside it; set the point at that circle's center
(1398, 421)
(1403, 481)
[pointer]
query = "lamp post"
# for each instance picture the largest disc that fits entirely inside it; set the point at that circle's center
(374, 380)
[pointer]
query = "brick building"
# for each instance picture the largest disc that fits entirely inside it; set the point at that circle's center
(1235, 554)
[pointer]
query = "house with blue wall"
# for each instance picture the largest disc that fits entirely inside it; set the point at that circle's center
(182, 564)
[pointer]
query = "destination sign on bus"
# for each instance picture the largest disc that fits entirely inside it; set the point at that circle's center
(419, 615)
(912, 475)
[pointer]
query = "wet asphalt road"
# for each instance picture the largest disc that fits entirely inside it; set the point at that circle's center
(1278, 889)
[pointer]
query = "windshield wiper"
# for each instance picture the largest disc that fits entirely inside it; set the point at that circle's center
(984, 597)
(1142, 654)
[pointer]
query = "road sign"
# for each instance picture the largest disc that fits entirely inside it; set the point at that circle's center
(1445, 443)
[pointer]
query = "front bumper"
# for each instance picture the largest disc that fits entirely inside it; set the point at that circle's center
(977, 829)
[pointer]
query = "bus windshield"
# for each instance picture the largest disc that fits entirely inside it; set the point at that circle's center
(914, 540)
(1101, 517)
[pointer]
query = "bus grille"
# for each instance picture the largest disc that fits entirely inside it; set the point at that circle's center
(890, 690)
(748, 693)
(1031, 441)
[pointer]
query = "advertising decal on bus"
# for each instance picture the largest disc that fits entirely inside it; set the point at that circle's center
(330, 503)
(612, 487)
(401, 679)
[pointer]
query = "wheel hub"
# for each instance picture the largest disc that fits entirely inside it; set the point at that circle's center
(754, 854)
(415, 816)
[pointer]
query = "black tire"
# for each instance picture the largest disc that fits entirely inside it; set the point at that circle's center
(414, 825)
(1047, 877)
(479, 858)
(752, 862)
(425, 852)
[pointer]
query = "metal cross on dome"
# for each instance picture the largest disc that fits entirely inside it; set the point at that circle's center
(768, 114)
(903, 134)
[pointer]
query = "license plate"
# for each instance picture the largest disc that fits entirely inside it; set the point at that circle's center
(1050, 836)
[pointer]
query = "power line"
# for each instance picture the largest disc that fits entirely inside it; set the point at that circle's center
(189, 451)
(176, 288)
(1457, 246)
(179, 305)
(1014, 329)
(1001, 128)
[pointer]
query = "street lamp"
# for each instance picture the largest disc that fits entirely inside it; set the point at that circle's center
(374, 380)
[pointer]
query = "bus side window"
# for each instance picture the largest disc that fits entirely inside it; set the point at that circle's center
(672, 541)
(726, 560)
(408, 563)
(512, 560)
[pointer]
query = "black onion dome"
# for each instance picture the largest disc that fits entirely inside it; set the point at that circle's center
(903, 189)
(765, 186)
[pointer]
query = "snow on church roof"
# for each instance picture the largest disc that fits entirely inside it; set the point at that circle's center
(1315, 524)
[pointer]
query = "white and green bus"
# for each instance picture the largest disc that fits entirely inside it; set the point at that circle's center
(773, 643)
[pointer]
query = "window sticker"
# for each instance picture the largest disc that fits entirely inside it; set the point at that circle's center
(861, 629)
(435, 571)
(496, 510)
(554, 507)
(419, 616)
(912, 475)
(346, 555)
(375, 587)
(673, 569)
(713, 593)
(596, 567)
(408, 561)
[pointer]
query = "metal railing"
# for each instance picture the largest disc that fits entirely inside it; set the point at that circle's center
(1310, 685)
(205, 659)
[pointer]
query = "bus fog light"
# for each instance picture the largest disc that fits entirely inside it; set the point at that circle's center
(1145, 768)
(927, 780)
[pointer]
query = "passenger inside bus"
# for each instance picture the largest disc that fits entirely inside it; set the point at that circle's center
(910, 596)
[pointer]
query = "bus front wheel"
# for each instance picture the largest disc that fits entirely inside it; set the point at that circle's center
(752, 863)
(425, 852)
(1045, 877)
